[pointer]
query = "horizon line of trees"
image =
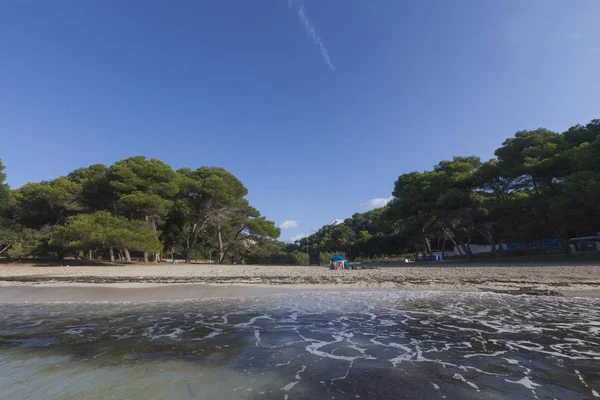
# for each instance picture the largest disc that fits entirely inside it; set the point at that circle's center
(136, 205)
(540, 184)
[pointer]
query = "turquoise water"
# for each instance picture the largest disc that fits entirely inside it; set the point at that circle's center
(320, 345)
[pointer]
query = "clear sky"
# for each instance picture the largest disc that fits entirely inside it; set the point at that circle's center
(317, 106)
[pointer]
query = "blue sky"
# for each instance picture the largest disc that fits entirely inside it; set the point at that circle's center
(317, 106)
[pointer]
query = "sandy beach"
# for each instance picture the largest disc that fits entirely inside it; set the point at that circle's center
(166, 282)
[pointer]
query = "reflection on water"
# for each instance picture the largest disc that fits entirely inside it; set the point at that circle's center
(312, 346)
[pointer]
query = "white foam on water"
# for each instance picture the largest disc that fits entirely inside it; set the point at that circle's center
(257, 337)
(345, 375)
(34, 323)
(289, 386)
(580, 377)
(74, 331)
(252, 321)
(462, 378)
(172, 335)
(594, 393)
(534, 347)
(494, 354)
(528, 383)
(300, 371)
(462, 332)
(314, 347)
(211, 335)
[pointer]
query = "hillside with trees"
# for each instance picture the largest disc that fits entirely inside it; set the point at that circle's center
(136, 207)
(540, 184)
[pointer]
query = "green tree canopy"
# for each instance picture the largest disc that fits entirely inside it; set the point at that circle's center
(102, 230)
(95, 190)
(47, 203)
(4, 189)
(208, 196)
(142, 189)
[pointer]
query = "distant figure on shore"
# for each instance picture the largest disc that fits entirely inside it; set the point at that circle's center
(338, 262)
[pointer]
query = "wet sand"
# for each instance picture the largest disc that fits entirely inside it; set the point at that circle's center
(170, 282)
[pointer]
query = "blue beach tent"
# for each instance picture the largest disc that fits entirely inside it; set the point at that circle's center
(340, 258)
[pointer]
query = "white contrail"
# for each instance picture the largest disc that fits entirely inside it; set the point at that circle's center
(310, 30)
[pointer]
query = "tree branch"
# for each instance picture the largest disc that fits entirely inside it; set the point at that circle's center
(4, 249)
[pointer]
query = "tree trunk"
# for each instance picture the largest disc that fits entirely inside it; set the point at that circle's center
(127, 255)
(221, 250)
(467, 251)
(444, 247)
(452, 239)
(470, 252)
(112, 254)
(500, 247)
(525, 249)
(188, 256)
(121, 256)
(90, 254)
(488, 236)
(564, 242)
(195, 232)
(237, 235)
(5, 248)
(464, 249)
(494, 251)
(152, 225)
(428, 245)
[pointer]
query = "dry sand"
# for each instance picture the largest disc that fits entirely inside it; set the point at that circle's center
(161, 282)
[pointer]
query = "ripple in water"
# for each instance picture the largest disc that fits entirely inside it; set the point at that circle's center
(311, 345)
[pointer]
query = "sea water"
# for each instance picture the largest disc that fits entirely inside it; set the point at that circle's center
(314, 345)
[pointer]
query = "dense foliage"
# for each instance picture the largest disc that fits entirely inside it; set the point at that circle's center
(541, 184)
(137, 206)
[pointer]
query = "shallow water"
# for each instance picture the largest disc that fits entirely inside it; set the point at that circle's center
(319, 345)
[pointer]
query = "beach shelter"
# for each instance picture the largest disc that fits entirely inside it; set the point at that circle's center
(340, 258)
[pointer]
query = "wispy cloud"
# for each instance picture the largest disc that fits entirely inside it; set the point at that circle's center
(337, 221)
(377, 202)
(289, 224)
(575, 36)
(297, 237)
(311, 32)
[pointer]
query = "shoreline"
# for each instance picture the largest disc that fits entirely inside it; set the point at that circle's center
(140, 292)
(22, 283)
